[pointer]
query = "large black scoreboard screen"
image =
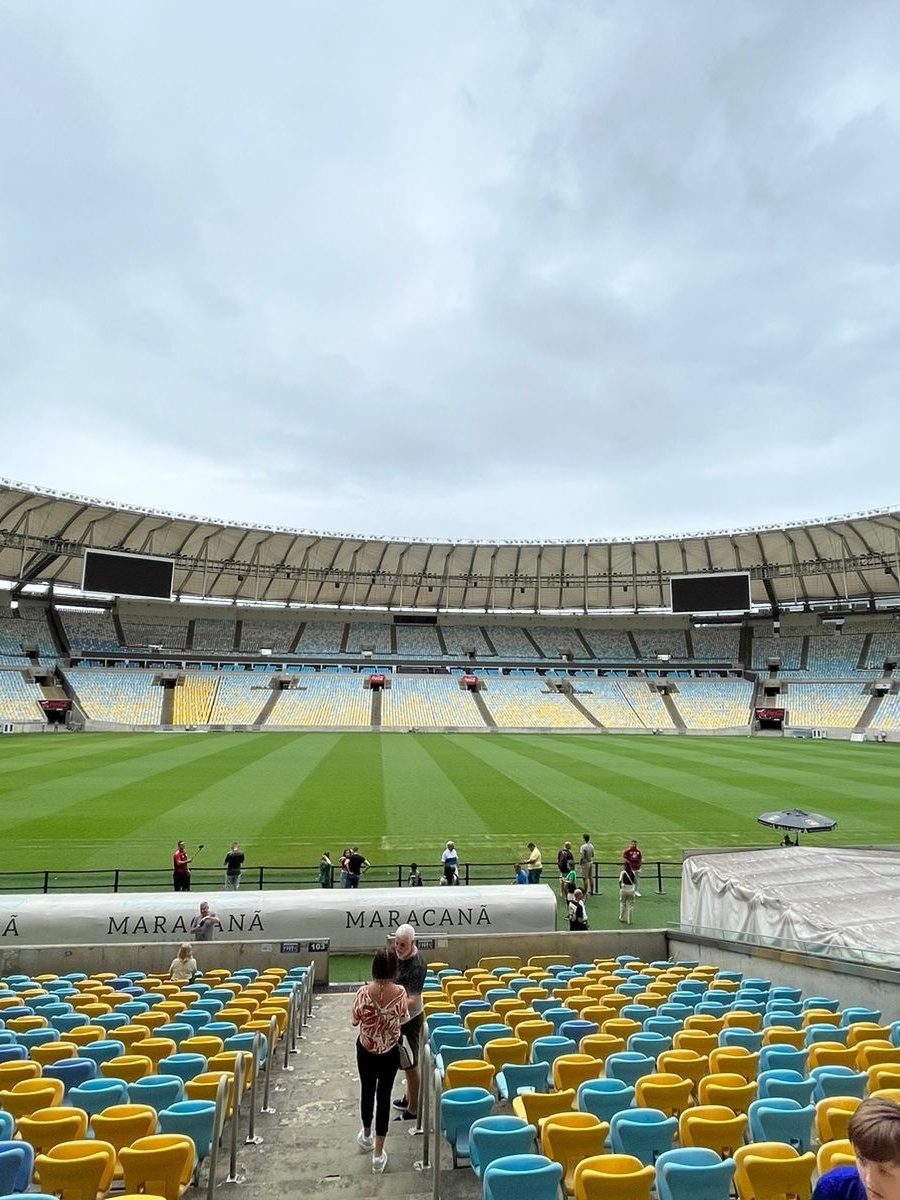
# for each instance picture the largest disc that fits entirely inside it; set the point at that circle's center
(711, 593)
(127, 575)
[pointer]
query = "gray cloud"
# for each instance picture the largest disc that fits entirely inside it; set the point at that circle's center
(511, 270)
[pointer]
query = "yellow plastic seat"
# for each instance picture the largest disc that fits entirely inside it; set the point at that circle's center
(77, 1170)
(838, 1153)
(829, 1054)
(29, 1095)
(516, 1016)
(772, 1170)
(601, 1045)
(865, 1031)
(170, 1007)
(227, 1060)
(51, 1052)
(613, 1177)
(121, 1125)
(93, 1008)
(622, 1027)
(698, 1040)
(469, 1073)
(26, 1024)
(579, 1003)
(529, 994)
(833, 1116)
(205, 1086)
(820, 1016)
(507, 1005)
(569, 1070)
(154, 1048)
(162, 1163)
(738, 1019)
(47, 1127)
(731, 1090)
(686, 1063)
(533, 1107)
(129, 1067)
(529, 1031)
(205, 1044)
(505, 1050)
(150, 1020)
(473, 1019)
(784, 1035)
(236, 1014)
(569, 1138)
(129, 1034)
(598, 1012)
(883, 1076)
(713, 1126)
(736, 1060)
(668, 1092)
(83, 1035)
(14, 1072)
(877, 1053)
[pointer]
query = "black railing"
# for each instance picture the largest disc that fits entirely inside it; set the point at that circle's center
(655, 876)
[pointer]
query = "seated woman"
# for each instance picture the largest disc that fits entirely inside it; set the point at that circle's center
(184, 966)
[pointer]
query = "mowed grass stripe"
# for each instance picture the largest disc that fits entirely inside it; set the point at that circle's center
(114, 818)
(342, 799)
(416, 782)
(254, 804)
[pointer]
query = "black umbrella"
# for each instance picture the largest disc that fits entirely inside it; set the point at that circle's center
(797, 820)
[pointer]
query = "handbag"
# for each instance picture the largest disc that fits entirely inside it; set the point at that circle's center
(407, 1062)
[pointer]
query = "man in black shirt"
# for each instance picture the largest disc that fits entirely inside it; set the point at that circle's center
(411, 976)
(234, 865)
(356, 864)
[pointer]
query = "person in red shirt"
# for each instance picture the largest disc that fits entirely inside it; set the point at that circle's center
(633, 858)
(181, 869)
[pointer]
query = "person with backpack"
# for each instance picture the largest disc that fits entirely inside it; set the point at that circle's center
(565, 861)
(577, 911)
(627, 892)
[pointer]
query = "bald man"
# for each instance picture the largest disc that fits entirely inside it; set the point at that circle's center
(411, 976)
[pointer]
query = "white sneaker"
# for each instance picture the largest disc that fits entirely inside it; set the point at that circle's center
(366, 1141)
(638, 894)
(379, 1162)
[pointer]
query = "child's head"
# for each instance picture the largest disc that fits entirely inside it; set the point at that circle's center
(413, 867)
(874, 1133)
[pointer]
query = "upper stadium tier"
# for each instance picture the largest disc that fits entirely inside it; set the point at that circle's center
(840, 561)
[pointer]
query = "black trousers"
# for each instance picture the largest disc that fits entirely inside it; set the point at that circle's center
(377, 1073)
(181, 881)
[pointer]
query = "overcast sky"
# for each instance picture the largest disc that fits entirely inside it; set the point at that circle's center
(478, 268)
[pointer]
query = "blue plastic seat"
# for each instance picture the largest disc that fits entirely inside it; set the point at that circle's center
(470, 1006)
(185, 1066)
(747, 1038)
(71, 1071)
(449, 1035)
(94, 1095)
(651, 1044)
(522, 1175)
(781, 1120)
(219, 1029)
(782, 1057)
(460, 1107)
(603, 1098)
(14, 1052)
(496, 1137)
(662, 1023)
(827, 1002)
(858, 1013)
(451, 1054)
(244, 1041)
(110, 1021)
(434, 1020)
(637, 1012)
(513, 1078)
(793, 1020)
(826, 1033)
(674, 1009)
(495, 994)
(644, 1133)
(16, 1166)
(482, 1034)
(577, 1029)
(541, 1004)
(195, 1017)
(209, 1003)
(629, 1066)
(7, 1125)
(785, 1083)
(37, 1037)
(838, 1081)
(102, 1051)
(195, 1119)
(133, 1008)
(693, 1173)
(159, 1091)
(177, 1031)
(783, 992)
(549, 1047)
(558, 1015)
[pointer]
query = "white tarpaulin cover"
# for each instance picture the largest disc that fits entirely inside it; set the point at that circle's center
(823, 900)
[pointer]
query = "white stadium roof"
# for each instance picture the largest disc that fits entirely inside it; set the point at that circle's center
(838, 561)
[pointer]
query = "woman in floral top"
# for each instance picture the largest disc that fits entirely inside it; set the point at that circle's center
(379, 1009)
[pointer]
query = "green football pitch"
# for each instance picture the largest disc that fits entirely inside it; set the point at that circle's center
(97, 801)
